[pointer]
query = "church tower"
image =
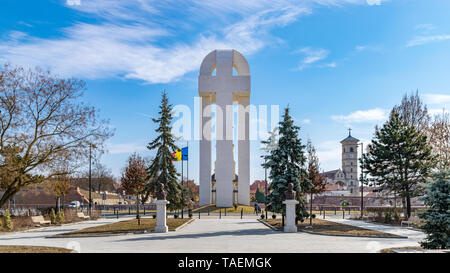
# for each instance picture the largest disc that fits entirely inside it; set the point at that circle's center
(350, 163)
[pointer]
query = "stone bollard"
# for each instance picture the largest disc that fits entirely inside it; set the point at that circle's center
(290, 215)
(161, 216)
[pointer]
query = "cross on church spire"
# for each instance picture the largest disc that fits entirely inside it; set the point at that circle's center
(349, 131)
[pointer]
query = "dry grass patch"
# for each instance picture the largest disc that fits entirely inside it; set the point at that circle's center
(214, 209)
(33, 249)
(390, 250)
(128, 226)
(21, 223)
(324, 226)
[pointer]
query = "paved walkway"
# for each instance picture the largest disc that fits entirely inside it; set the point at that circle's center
(401, 231)
(206, 235)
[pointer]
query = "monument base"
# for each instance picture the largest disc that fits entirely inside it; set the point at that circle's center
(290, 225)
(162, 229)
(161, 216)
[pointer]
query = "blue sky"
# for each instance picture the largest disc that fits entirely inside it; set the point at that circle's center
(338, 64)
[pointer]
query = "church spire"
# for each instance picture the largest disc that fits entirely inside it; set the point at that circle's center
(350, 138)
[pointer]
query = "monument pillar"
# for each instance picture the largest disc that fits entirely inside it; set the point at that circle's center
(244, 150)
(205, 151)
(223, 88)
(224, 150)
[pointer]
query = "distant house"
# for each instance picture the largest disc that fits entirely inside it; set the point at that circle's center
(258, 184)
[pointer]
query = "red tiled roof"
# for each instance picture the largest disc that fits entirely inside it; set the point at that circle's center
(332, 187)
(258, 184)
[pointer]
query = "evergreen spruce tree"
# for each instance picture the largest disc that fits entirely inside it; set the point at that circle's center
(437, 216)
(399, 159)
(259, 196)
(162, 169)
(286, 163)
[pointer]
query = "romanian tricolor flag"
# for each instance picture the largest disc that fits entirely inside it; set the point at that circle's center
(185, 153)
(177, 155)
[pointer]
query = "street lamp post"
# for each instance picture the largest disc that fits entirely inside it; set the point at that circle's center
(265, 185)
(90, 180)
(90, 177)
(362, 182)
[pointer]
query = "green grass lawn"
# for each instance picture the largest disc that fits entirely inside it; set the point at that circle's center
(127, 226)
(324, 226)
(33, 249)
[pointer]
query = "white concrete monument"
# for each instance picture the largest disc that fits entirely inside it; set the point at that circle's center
(161, 216)
(290, 225)
(224, 89)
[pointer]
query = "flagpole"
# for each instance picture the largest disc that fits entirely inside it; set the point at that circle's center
(187, 163)
(182, 192)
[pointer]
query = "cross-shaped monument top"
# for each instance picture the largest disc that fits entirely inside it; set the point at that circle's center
(223, 62)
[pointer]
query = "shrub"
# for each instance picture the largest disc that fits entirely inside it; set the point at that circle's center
(396, 217)
(262, 216)
(437, 218)
(154, 216)
(190, 215)
(7, 223)
(52, 217)
(60, 218)
(274, 216)
(175, 216)
(313, 216)
(388, 217)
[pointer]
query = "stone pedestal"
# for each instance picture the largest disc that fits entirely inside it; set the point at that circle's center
(290, 216)
(161, 216)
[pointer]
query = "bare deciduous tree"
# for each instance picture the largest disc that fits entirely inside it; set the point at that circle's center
(439, 139)
(414, 112)
(318, 180)
(43, 124)
(134, 178)
(59, 186)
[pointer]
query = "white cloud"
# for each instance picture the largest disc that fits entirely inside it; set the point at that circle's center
(329, 153)
(424, 28)
(374, 2)
(420, 40)
(135, 39)
(361, 48)
(361, 116)
(437, 111)
(125, 148)
(73, 2)
(306, 121)
(436, 98)
(331, 65)
(312, 55)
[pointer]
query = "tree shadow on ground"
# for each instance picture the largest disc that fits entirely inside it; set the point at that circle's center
(246, 232)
